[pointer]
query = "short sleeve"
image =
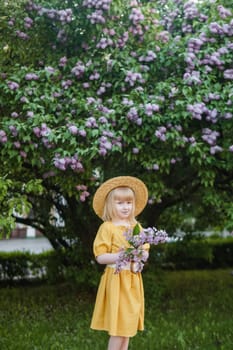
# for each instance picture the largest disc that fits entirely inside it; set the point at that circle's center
(146, 246)
(103, 240)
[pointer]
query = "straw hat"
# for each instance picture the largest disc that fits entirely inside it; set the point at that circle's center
(138, 187)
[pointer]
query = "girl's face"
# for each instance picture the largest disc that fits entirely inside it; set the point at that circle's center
(120, 205)
(123, 208)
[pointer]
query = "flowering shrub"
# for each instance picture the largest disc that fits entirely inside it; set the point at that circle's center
(136, 255)
(95, 88)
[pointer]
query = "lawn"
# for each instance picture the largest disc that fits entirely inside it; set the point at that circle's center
(187, 310)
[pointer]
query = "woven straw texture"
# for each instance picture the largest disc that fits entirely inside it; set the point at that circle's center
(139, 188)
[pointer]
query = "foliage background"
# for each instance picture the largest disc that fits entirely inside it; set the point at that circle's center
(93, 89)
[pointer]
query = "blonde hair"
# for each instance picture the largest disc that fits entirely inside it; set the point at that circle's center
(119, 193)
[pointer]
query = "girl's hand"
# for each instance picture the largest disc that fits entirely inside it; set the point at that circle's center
(107, 258)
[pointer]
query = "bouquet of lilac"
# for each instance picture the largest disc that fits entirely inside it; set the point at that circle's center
(136, 255)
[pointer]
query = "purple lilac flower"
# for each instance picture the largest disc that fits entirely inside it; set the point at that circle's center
(96, 17)
(83, 196)
(191, 12)
(215, 149)
(45, 130)
(136, 16)
(86, 85)
(63, 163)
(3, 136)
(90, 100)
(65, 16)
(14, 115)
(103, 120)
(22, 35)
(13, 130)
(163, 36)
(135, 150)
(11, 22)
(132, 114)
(12, 85)
(213, 96)
(216, 28)
(31, 76)
(223, 50)
(78, 70)
(195, 44)
(49, 69)
(192, 78)
(228, 74)
(82, 133)
(132, 78)
(127, 102)
(37, 131)
(101, 90)
(107, 141)
(24, 99)
(149, 57)
(63, 61)
(97, 4)
(210, 136)
(108, 133)
(102, 151)
(137, 31)
(60, 163)
(73, 129)
(103, 43)
(17, 144)
(150, 108)
(224, 12)
(23, 154)
(28, 22)
(121, 42)
(160, 133)
(144, 68)
(197, 110)
(30, 114)
(155, 167)
(94, 76)
(104, 145)
(61, 36)
(135, 253)
(208, 69)
(66, 84)
(227, 115)
(110, 31)
(91, 123)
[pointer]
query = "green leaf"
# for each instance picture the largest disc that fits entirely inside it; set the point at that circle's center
(136, 230)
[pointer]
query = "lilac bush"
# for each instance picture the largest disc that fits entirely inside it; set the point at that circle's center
(99, 88)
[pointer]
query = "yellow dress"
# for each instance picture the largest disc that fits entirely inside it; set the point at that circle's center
(119, 307)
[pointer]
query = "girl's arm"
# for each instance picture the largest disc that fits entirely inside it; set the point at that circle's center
(107, 258)
(111, 258)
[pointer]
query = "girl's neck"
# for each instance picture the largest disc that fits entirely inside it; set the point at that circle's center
(119, 222)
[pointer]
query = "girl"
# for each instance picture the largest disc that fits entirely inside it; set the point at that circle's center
(119, 307)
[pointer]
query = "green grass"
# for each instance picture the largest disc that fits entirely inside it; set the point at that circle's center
(187, 310)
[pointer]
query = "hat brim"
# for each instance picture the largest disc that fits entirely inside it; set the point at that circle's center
(138, 187)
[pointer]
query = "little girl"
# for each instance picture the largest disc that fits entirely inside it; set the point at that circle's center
(119, 307)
